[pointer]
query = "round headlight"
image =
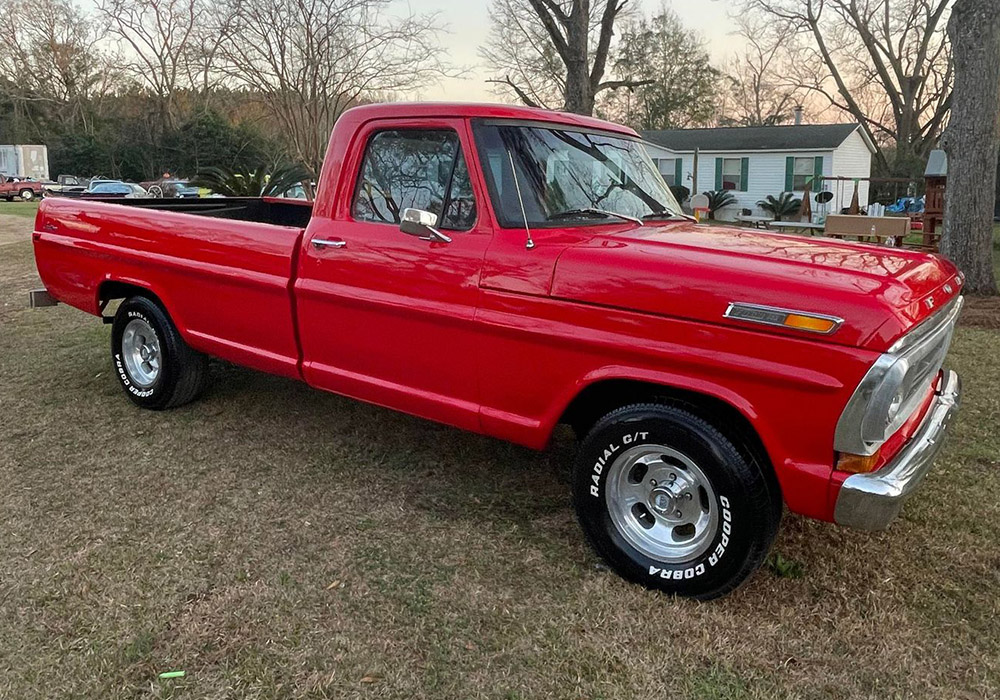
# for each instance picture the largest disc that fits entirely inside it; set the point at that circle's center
(885, 402)
(894, 406)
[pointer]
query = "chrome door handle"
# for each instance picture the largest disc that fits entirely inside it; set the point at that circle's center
(320, 243)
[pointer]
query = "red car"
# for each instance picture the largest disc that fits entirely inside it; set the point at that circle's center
(504, 270)
(19, 188)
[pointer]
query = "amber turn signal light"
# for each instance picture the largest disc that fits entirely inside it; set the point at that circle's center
(810, 323)
(857, 464)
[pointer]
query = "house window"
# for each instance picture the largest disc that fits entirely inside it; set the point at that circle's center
(668, 169)
(732, 174)
(802, 173)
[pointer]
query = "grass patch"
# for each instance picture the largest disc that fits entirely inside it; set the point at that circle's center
(277, 542)
(19, 208)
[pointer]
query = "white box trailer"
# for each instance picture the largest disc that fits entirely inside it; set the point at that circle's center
(25, 161)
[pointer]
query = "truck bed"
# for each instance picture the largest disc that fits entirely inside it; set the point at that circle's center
(224, 267)
(264, 210)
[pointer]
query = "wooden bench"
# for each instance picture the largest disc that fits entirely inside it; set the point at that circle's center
(888, 230)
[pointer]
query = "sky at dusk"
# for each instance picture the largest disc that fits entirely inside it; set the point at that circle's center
(469, 24)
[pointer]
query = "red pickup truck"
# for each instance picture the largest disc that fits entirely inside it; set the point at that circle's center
(13, 187)
(505, 270)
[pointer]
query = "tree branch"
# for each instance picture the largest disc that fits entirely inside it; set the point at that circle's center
(520, 93)
(611, 10)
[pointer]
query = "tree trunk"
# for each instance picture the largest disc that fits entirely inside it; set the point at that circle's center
(579, 97)
(971, 141)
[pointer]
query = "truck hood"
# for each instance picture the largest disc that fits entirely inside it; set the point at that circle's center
(689, 271)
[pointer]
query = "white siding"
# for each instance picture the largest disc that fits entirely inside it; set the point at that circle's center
(851, 159)
(766, 174)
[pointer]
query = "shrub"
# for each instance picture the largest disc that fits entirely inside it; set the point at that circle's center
(719, 199)
(785, 204)
(680, 192)
(251, 183)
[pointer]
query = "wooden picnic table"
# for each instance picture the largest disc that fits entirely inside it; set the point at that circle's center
(755, 221)
(806, 227)
(870, 229)
(880, 238)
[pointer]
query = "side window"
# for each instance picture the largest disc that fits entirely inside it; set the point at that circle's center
(415, 168)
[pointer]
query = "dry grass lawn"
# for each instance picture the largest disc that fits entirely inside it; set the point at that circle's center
(276, 542)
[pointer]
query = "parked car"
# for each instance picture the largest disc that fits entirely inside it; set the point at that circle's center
(295, 192)
(171, 188)
(79, 190)
(113, 188)
(19, 188)
(65, 184)
(503, 270)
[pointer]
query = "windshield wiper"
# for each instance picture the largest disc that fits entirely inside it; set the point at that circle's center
(592, 211)
(664, 215)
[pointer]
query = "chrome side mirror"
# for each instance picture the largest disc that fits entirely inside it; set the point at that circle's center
(420, 223)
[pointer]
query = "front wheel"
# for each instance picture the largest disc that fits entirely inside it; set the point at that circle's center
(671, 503)
(154, 365)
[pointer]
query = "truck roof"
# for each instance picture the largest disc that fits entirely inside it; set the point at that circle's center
(469, 110)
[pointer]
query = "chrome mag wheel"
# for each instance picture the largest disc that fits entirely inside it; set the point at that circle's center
(141, 353)
(662, 503)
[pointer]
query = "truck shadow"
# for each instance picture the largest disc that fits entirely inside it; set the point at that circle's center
(448, 473)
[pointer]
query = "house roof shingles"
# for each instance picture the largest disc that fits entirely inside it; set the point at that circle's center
(754, 138)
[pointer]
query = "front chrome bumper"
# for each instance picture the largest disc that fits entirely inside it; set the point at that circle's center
(872, 501)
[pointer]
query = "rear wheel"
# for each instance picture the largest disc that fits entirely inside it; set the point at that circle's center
(154, 365)
(27, 195)
(671, 503)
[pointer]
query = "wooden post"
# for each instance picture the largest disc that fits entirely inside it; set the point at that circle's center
(694, 174)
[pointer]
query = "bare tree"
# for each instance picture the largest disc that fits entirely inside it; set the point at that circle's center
(972, 141)
(160, 38)
(309, 60)
(554, 53)
(884, 62)
(758, 93)
(52, 61)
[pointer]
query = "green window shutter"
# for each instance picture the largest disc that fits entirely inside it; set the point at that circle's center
(744, 173)
(817, 172)
(718, 174)
(679, 171)
(789, 173)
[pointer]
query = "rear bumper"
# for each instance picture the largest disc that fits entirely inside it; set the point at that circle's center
(872, 501)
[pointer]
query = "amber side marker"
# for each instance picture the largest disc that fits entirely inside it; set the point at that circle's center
(810, 323)
(857, 464)
(785, 318)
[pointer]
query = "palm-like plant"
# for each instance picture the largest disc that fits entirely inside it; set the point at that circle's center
(719, 199)
(785, 204)
(251, 183)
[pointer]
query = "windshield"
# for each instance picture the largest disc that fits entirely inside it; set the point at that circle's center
(569, 175)
(111, 189)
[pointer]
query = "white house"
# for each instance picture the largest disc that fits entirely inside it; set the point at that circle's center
(753, 162)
